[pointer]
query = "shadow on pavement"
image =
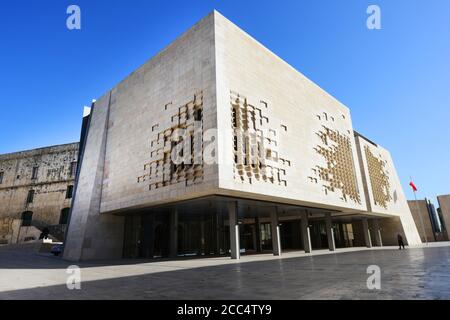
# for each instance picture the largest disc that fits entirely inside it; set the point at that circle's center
(409, 274)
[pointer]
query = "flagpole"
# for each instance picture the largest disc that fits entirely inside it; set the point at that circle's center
(420, 216)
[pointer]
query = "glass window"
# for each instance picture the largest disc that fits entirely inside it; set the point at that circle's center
(73, 168)
(34, 175)
(69, 192)
(266, 236)
(30, 196)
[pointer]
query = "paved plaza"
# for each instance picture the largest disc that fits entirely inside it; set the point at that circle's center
(414, 273)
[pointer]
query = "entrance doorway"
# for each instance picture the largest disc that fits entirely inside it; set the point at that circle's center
(255, 236)
(343, 235)
(290, 234)
(266, 237)
(319, 238)
(248, 235)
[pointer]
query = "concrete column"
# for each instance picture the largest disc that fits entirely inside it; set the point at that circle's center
(173, 236)
(366, 231)
(276, 243)
(234, 230)
(377, 232)
(218, 232)
(306, 237)
(330, 234)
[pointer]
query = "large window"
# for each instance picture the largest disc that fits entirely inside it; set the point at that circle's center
(27, 217)
(266, 236)
(1, 177)
(34, 175)
(69, 192)
(30, 197)
(73, 169)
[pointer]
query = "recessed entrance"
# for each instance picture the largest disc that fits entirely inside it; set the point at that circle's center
(202, 228)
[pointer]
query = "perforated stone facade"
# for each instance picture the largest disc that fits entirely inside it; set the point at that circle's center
(379, 179)
(273, 134)
(255, 144)
(339, 172)
(182, 138)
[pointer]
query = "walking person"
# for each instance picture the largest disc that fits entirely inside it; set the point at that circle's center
(400, 242)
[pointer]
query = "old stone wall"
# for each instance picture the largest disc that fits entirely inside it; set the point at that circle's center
(35, 181)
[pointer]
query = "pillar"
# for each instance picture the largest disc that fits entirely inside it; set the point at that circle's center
(306, 237)
(330, 234)
(377, 232)
(234, 230)
(173, 233)
(366, 232)
(218, 231)
(276, 243)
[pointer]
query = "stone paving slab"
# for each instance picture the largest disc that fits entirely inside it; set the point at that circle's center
(415, 273)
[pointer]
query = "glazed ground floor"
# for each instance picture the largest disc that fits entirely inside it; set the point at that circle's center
(224, 226)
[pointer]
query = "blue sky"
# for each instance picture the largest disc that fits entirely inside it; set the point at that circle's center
(396, 80)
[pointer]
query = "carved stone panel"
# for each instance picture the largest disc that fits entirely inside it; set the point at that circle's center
(255, 143)
(339, 172)
(379, 178)
(176, 152)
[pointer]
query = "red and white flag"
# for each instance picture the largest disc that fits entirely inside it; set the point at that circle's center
(413, 186)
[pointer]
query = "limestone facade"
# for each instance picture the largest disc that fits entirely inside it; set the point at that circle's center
(421, 215)
(253, 128)
(444, 210)
(35, 191)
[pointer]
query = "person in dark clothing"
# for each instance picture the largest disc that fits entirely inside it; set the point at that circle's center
(400, 242)
(44, 234)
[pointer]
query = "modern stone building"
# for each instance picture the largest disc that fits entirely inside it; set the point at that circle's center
(429, 223)
(217, 146)
(444, 214)
(35, 192)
